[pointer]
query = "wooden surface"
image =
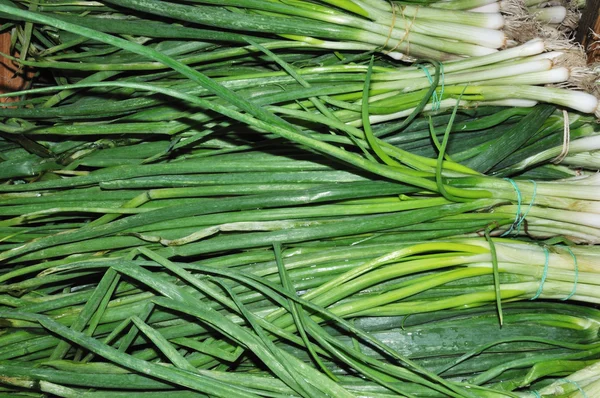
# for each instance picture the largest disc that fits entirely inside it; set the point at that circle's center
(590, 24)
(10, 78)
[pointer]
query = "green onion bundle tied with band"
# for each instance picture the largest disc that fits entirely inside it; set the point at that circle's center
(299, 198)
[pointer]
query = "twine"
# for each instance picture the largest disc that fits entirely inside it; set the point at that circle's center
(407, 28)
(519, 199)
(436, 99)
(519, 218)
(387, 39)
(576, 385)
(530, 205)
(544, 274)
(566, 139)
(576, 271)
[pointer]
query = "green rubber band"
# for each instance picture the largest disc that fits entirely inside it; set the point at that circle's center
(436, 98)
(544, 275)
(576, 385)
(536, 394)
(522, 218)
(576, 277)
(519, 200)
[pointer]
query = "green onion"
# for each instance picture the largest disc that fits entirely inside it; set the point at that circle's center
(297, 198)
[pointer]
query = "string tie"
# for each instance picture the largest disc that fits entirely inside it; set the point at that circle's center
(576, 271)
(544, 274)
(407, 28)
(436, 98)
(566, 139)
(389, 36)
(576, 385)
(519, 218)
(519, 200)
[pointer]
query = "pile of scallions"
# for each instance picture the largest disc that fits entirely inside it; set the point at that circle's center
(299, 198)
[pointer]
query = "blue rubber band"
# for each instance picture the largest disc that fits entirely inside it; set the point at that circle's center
(536, 394)
(576, 270)
(436, 99)
(576, 385)
(544, 275)
(519, 200)
(522, 218)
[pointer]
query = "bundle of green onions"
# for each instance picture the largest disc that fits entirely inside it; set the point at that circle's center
(401, 31)
(513, 77)
(256, 199)
(202, 309)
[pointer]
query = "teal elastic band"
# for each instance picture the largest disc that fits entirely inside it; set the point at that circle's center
(519, 200)
(544, 275)
(522, 218)
(576, 385)
(536, 394)
(576, 277)
(436, 99)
